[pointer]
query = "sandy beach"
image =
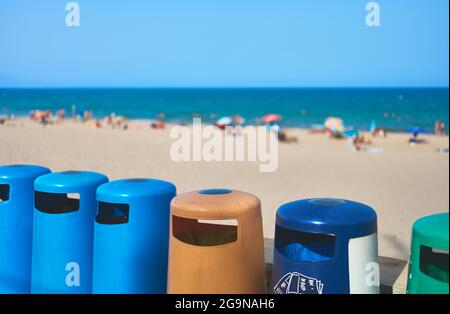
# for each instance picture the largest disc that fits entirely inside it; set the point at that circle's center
(401, 182)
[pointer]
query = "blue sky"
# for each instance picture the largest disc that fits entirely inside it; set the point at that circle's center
(207, 43)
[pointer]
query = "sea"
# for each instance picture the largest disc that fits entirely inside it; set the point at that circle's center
(395, 109)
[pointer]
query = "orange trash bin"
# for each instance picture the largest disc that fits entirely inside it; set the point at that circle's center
(206, 256)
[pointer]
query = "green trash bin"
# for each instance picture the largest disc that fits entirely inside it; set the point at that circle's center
(428, 263)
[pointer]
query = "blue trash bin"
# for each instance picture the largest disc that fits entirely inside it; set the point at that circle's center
(325, 246)
(131, 235)
(16, 225)
(63, 229)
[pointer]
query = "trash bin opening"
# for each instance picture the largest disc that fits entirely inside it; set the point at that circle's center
(136, 180)
(303, 246)
(71, 172)
(4, 192)
(214, 191)
(112, 213)
(434, 263)
(56, 203)
(205, 233)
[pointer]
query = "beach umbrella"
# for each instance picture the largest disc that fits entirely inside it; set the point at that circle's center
(351, 133)
(416, 130)
(373, 126)
(271, 117)
(224, 121)
(334, 124)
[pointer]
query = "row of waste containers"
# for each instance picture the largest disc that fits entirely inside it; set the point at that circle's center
(75, 232)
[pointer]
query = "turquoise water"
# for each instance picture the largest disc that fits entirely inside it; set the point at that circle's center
(394, 109)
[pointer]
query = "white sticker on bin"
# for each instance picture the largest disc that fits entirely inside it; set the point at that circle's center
(225, 222)
(74, 196)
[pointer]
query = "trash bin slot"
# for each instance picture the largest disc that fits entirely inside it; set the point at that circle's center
(56, 203)
(112, 213)
(71, 172)
(137, 180)
(434, 263)
(207, 233)
(303, 246)
(4, 192)
(215, 191)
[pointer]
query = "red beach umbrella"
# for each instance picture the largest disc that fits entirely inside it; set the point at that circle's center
(271, 117)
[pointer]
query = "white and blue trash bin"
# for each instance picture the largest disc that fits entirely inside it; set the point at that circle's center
(16, 225)
(131, 236)
(325, 246)
(64, 213)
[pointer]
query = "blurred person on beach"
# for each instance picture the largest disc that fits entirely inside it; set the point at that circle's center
(376, 131)
(44, 117)
(109, 119)
(74, 111)
(360, 141)
(439, 128)
(356, 144)
(442, 128)
(120, 123)
(159, 122)
(5, 119)
(282, 135)
(87, 115)
(60, 115)
(237, 121)
(334, 134)
(116, 122)
(414, 139)
(379, 132)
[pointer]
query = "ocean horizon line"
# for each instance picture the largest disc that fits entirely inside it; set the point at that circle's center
(223, 87)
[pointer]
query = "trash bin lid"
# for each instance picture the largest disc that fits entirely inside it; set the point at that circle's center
(433, 230)
(22, 171)
(68, 181)
(120, 191)
(328, 216)
(215, 204)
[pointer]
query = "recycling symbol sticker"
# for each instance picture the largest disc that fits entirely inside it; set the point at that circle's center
(296, 283)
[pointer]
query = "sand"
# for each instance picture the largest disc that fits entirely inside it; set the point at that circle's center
(402, 183)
